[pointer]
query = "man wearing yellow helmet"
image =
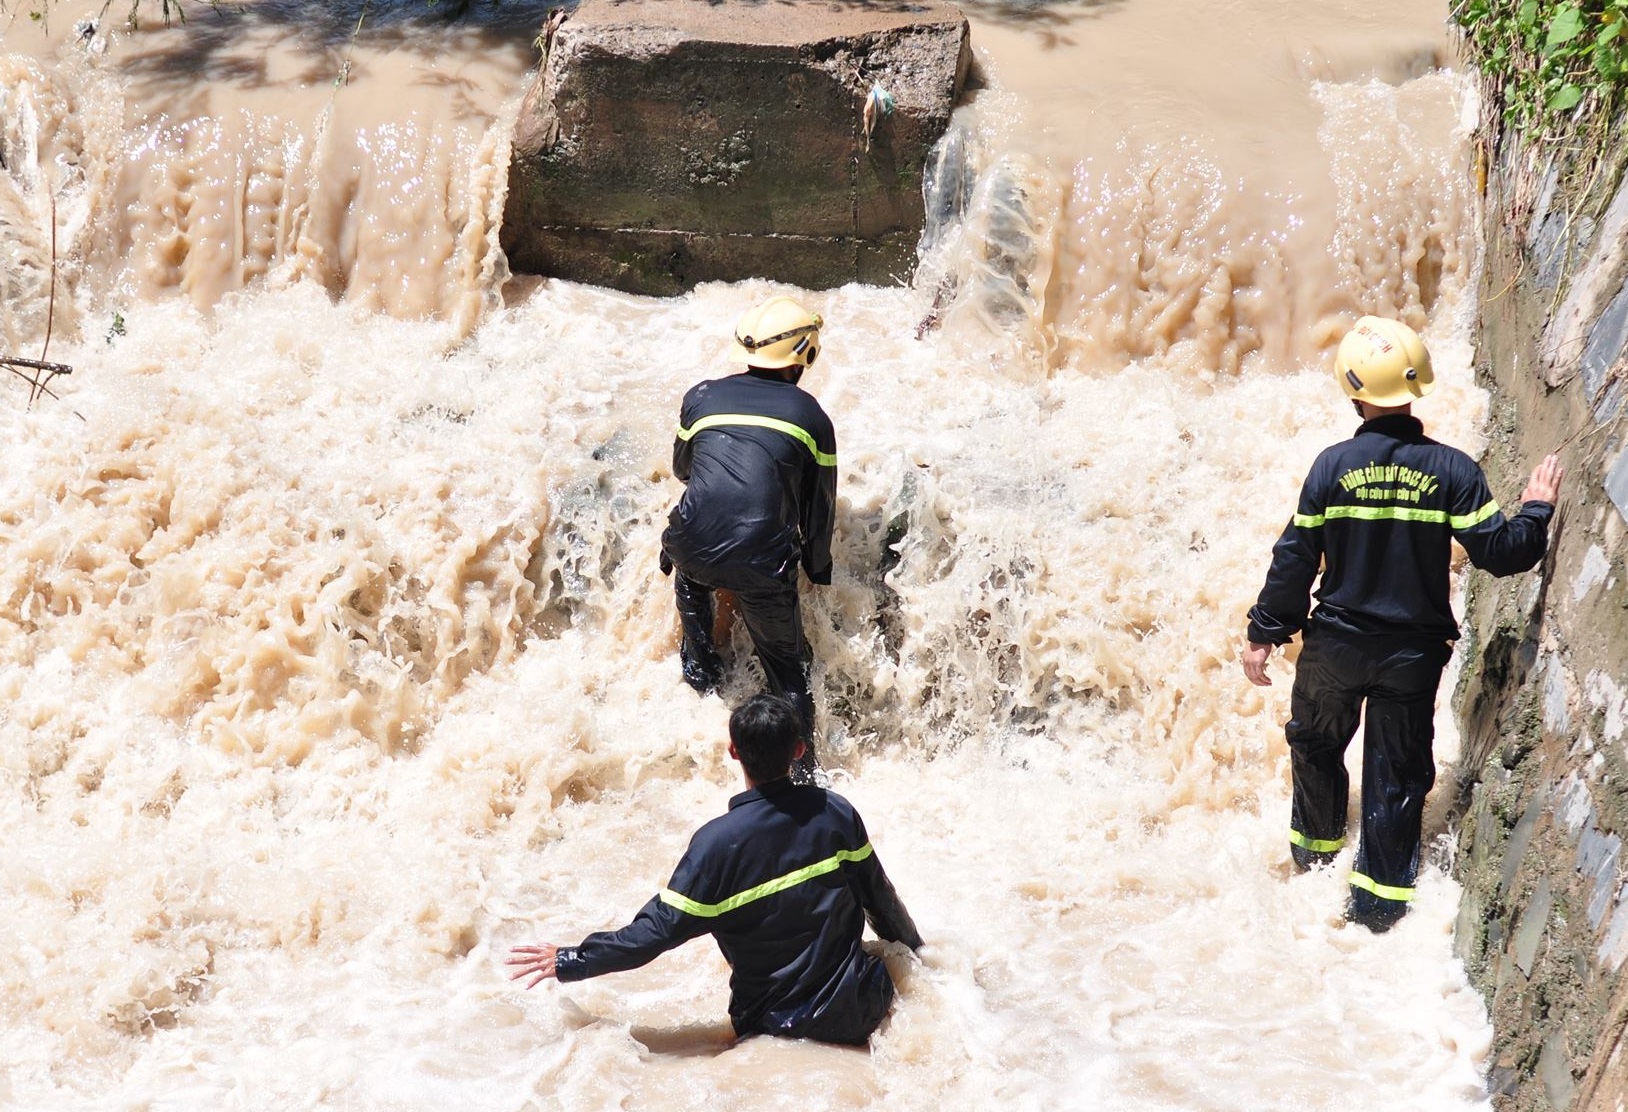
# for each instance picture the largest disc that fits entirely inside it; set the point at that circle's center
(758, 457)
(1377, 514)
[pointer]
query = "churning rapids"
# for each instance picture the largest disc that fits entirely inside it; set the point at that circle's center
(335, 659)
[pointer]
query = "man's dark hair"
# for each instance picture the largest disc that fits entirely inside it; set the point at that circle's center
(765, 730)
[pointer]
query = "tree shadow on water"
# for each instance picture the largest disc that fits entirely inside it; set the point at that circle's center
(1040, 15)
(211, 46)
(212, 38)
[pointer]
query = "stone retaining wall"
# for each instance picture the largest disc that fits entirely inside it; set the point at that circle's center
(1542, 786)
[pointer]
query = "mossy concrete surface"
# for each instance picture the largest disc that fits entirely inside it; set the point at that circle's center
(669, 142)
(1543, 779)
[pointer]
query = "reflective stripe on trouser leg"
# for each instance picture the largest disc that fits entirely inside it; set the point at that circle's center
(1324, 707)
(1398, 771)
(1368, 884)
(1315, 845)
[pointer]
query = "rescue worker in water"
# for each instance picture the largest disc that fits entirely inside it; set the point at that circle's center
(1377, 514)
(758, 458)
(784, 882)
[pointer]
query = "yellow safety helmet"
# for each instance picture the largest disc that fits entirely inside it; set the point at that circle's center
(776, 334)
(1383, 362)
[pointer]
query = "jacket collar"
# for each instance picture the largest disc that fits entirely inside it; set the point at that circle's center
(1398, 426)
(762, 791)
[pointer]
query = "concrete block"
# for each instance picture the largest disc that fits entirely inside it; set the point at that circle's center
(1616, 483)
(1607, 341)
(669, 142)
(1555, 1068)
(1598, 855)
(1520, 838)
(1595, 570)
(1469, 941)
(1534, 922)
(1591, 285)
(1556, 699)
(1613, 948)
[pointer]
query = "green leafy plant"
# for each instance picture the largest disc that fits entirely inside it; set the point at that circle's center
(1553, 65)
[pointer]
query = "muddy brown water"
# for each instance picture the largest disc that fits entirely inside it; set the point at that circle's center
(334, 658)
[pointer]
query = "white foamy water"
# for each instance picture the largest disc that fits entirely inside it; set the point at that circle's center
(334, 657)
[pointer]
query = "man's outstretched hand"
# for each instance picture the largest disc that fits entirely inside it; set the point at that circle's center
(536, 962)
(1544, 485)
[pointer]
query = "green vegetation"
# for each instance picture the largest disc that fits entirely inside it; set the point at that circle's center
(1555, 66)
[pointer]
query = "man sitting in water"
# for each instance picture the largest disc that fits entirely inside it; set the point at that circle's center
(784, 882)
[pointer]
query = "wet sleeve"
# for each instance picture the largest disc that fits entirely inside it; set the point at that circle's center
(1285, 600)
(682, 451)
(883, 909)
(1496, 544)
(820, 508)
(657, 928)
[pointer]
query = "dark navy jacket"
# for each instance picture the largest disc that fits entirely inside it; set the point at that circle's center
(759, 460)
(1378, 513)
(784, 882)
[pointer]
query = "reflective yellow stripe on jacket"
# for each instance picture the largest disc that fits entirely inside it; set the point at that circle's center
(767, 888)
(1397, 513)
(824, 459)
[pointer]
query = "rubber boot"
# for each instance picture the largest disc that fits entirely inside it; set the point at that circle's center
(702, 669)
(698, 660)
(1374, 912)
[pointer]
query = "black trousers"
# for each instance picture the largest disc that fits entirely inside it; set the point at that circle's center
(769, 606)
(1335, 676)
